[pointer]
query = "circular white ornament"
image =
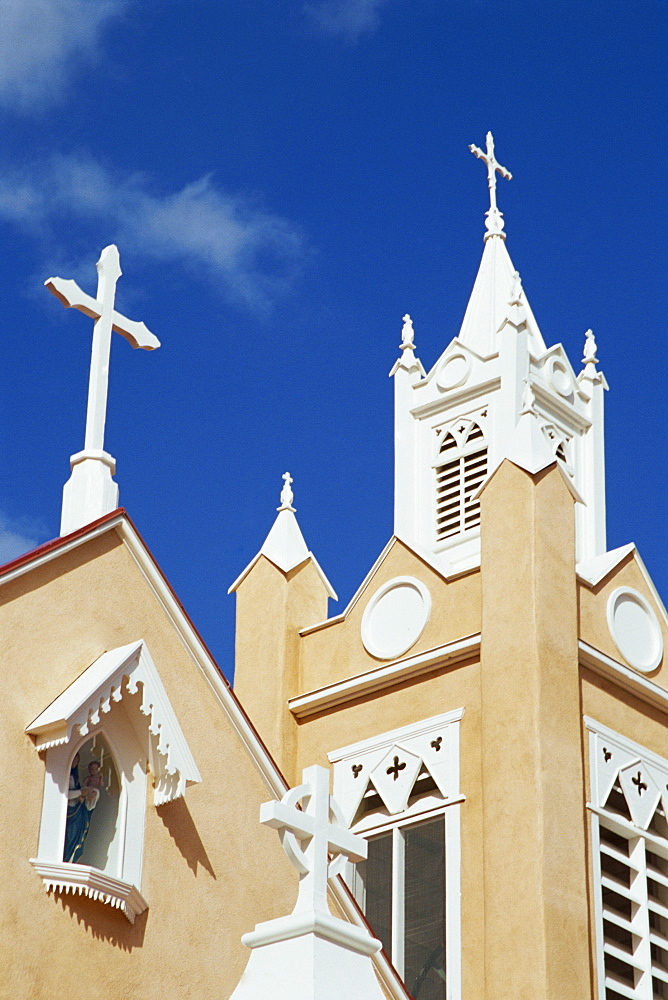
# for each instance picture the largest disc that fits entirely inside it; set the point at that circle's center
(395, 617)
(635, 628)
(454, 372)
(560, 377)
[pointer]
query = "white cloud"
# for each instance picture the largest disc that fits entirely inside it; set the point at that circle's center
(17, 537)
(251, 254)
(347, 19)
(43, 41)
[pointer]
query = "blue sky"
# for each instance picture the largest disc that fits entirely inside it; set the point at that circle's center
(285, 179)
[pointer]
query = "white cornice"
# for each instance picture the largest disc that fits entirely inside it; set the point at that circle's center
(453, 398)
(559, 409)
(623, 676)
(592, 571)
(384, 676)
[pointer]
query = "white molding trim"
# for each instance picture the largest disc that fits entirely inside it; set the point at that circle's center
(385, 676)
(443, 402)
(80, 707)
(626, 677)
(87, 881)
(386, 740)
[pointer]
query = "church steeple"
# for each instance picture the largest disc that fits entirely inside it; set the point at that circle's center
(455, 424)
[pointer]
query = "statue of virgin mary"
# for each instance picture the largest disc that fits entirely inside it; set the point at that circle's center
(80, 804)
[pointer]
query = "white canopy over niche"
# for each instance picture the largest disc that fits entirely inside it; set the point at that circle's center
(121, 697)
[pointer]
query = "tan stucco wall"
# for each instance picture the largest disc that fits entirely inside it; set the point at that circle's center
(534, 853)
(271, 608)
(593, 603)
(210, 870)
(336, 651)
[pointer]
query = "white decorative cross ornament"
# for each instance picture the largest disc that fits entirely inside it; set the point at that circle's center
(310, 954)
(494, 223)
(91, 492)
(311, 834)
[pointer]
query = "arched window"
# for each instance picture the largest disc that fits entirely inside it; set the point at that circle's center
(461, 467)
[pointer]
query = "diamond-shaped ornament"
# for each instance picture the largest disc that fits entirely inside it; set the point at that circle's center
(394, 777)
(640, 791)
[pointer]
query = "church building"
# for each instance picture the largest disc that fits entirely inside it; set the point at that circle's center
(489, 712)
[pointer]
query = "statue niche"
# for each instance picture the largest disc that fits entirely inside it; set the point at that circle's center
(92, 807)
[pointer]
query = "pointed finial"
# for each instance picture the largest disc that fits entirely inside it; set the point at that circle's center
(494, 218)
(589, 357)
(407, 334)
(287, 496)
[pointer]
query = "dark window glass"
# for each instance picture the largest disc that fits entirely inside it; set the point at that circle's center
(424, 911)
(375, 875)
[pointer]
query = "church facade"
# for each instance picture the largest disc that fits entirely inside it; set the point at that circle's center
(491, 706)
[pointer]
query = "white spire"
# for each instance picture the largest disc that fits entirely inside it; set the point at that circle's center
(496, 288)
(285, 546)
(494, 223)
(90, 492)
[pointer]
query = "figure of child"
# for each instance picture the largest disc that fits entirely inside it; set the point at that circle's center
(92, 783)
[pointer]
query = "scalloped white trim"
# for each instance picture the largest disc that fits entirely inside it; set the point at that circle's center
(80, 708)
(87, 881)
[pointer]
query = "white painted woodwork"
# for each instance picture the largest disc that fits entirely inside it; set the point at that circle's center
(630, 859)
(285, 546)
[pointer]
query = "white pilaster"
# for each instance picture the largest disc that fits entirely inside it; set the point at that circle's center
(407, 372)
(591, 518)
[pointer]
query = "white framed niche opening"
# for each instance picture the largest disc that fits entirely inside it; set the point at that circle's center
(121, 700)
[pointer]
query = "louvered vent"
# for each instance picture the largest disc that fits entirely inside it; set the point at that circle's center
(457, 479)
(634, 906)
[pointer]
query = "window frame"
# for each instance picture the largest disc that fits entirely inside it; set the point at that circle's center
(604, 774)
(460, 456)
(444, 802)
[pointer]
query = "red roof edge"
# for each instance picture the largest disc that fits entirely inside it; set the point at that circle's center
(62, 540)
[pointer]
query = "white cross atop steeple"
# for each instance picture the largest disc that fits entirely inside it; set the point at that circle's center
(494, 221)
(90, 492)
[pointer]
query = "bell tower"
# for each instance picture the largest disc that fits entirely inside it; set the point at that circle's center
(454, 424)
